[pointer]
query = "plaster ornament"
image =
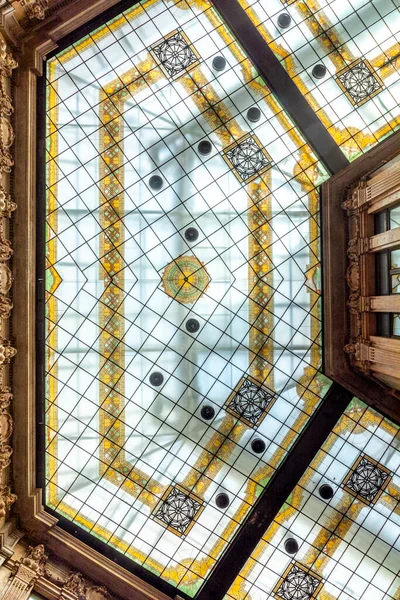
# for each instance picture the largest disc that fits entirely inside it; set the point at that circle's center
(35, 9)
(7, 206)
(6, 278)
(7, 352)
(7, 62)
(7, 499)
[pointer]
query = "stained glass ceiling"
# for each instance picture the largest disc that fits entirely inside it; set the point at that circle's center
(344, 56)
(183, 300)
(338, 534)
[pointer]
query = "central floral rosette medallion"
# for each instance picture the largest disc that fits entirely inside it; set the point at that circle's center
(185, 279)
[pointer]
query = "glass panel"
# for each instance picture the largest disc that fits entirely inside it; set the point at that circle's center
(396, 325)
(396, 284)
(380, 222)
(395, 217)
(344, 57)
(343, 518)
(183, 286)
(395, 259)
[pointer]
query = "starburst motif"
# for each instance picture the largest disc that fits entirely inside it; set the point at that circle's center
(174, 54)
(185, 279)
(359, 82)
(297, 584)
(247, 158)
(250, 402)
(178, 510)
(367, 479)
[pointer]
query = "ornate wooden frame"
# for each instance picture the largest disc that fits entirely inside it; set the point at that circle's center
(338, 315)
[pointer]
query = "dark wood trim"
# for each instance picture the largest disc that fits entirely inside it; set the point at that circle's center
(282, 85)
(272, 499)
(334, 246)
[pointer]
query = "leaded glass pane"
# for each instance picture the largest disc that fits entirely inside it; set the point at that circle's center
(395, 283)
(395, 217)
(183, 270)
(396, 325)
(395, 259)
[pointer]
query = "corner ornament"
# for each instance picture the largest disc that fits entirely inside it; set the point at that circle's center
(35, 9)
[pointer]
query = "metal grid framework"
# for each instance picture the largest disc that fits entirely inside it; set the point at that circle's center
(356, 92)
(348, 538)
(126, 379)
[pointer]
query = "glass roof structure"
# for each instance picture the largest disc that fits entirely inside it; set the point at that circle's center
(344, 56)
(343, 518)
(183, 285)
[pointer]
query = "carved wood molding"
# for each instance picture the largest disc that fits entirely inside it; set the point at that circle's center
(369, 184)
(360, 274)
(35, 569)
(7, 207)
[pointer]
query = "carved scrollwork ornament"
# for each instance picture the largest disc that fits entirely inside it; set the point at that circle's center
(7, 206)
(6, 426)
(353, 249)
(7, 352)
(6, 107)
(353, 276)
(356, 199)
(5, 307)
(6, 160)
(75, 583)
(97, 593)
(354, 303)
(7, 62)
(35, 9)
(351, 348)
(5, 456)
(7, 499)
(6, 278)
(5, 397)
(6, 140)
(6, 251)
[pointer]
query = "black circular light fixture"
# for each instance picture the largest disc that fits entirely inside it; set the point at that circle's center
(156, 182)
(204, 147)
(326, 491)
(192, 325)
(258, 446)
(156, 378)
(219, 63)
(319, 71)
(222, 500)
(191, 234)
(207, 412)
(254, 114)
(284, 20)
(291, 546)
